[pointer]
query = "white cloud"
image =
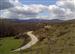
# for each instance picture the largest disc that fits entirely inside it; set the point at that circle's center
(63, 9)
(23, 11)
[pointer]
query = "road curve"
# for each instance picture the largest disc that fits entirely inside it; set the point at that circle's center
(33, 41)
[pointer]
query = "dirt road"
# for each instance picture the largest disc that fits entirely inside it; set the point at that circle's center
(33, 41)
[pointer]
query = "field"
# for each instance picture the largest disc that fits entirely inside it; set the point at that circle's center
(8, 44)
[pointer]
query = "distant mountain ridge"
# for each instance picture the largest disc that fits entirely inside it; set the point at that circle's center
(37, 20)
(33, 20)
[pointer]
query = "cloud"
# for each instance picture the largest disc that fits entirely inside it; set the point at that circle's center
(28, 10)
(5, 4)
(23, 11)
(64, 10)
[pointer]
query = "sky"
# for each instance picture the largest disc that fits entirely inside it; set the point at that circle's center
(44, 2)
(37, 9)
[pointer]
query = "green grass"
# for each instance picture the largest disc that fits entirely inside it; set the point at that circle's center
(9, 43)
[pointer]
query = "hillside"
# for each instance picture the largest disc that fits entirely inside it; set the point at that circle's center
(12, 27)
(59, 38)
(54, 37)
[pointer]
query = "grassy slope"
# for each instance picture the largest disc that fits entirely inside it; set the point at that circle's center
(9, 43)
(59, 39)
